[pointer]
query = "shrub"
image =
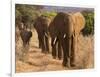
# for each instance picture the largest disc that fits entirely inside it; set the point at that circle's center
(89, 25)
(49, 14)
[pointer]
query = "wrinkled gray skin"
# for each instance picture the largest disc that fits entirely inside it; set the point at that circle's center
(41, 26)
(63, 32)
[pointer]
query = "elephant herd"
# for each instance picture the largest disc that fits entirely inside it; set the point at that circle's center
(64, 30)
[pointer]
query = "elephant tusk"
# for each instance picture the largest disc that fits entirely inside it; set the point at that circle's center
(22, 25)
(46, 34)
(55, 40)
(64, 35)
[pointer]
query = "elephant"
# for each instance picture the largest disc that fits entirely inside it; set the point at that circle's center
(22, 31)
(55, 43)
(25, 36)
(41, 26)
(65, 29)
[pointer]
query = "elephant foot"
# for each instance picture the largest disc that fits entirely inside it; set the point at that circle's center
(59, 58)
(45, 52)
(39, 47)
(54, 57)
(42, 51)
(72, 65)
(65, 64)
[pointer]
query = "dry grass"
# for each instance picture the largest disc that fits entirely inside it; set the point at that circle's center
(34, 60)
(85, 54)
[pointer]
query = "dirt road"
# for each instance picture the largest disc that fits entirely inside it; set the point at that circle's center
(35, 61)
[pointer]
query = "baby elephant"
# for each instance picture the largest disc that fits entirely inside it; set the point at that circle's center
(25, 36)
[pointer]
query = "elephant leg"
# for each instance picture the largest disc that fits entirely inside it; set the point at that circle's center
(39, 41)
(73, 46)
(43, 45)
(65, 57)
(59, 50)
(54, 51)
(46, 44)
(24, 44)
(28, 43)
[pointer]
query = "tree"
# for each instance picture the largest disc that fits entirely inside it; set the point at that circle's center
(26, 13)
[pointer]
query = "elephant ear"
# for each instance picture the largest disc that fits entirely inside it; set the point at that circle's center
(79, 22)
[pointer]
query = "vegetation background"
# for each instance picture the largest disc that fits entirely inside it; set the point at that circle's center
(29, 13)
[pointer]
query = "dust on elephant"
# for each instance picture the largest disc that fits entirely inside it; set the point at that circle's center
(66, 27)
(41, 26)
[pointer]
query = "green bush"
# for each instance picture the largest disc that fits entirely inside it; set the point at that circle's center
(50, 15)
(89, 25)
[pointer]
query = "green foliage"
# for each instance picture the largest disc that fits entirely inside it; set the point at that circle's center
(89, 26)
(27, 13)
(50, 15)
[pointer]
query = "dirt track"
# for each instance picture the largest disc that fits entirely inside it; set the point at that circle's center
(35, 61)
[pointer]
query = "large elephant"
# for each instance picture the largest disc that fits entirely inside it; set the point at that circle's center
(41, 26)
(55, 43)
(65, 29)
